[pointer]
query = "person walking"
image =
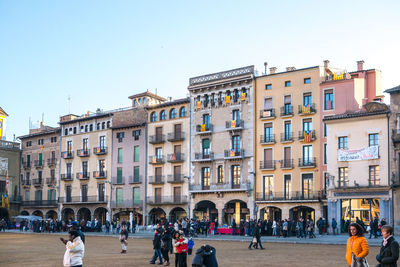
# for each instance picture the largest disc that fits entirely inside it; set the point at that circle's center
(75, 250)
(389, 253)
(257, 236)
(334, 226)
(357, 248)
(123, 237)
(157, 247)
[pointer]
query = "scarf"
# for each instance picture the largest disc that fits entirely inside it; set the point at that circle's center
(385, 240)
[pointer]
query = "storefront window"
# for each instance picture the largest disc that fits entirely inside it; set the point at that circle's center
(365, 209)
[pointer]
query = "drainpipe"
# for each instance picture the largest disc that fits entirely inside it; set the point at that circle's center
(59, 175)
(253, 184)
(389, 180)
(190, 155)
(111, 168)
(145, 175)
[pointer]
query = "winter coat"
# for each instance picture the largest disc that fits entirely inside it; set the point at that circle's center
(74, 253)
(360, 247)
(205, 259)
(157, 241)
(257, 232)
(389, 254)
(175, 244)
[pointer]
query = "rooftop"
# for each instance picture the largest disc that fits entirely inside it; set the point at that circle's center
(41, 131)
(393, 90)
(221, 75)
(2, 112)
(171, 103)
(369, 109)
(149, 94)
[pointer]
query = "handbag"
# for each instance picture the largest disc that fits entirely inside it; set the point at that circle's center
(357, 262)
(254, 240)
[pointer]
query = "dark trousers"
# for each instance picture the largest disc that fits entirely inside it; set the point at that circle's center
(165, 255)
(182, 260)
(177, 259)
(258, 242)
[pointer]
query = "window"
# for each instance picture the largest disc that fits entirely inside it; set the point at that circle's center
(236, 172)
(91, 127)
(68, 193)
(85, 173)
(136, 154)
(220, 174)
(86, 128)
(343, 176)
(82, 128)
(120, 152)
(325, 132)
(103, 125)
(27, 195)
(307, 99)
(268, 86)
(268, 104)
(328, 99)
(120, 196)
(205, 177)
(288, 131)
(108, 124)
(325, 155)
(136, 134)
(268, 187)
(85, 145)
(153, 116)
(69, 170)
(307, 156)
(66, 132)
(307, 80)
(74, 130)
(205, 100)
(308, 186)
(102, 167)
(136, 174)
(101, 191)
(40, 175)
(136, 195)
(288, 186)
(236, 143)
(307, 125)
(183, 112)
(268, 133)
(288, 83)
(69, 147)
(159, 152)
(163, 115)
(236, 116)
(342, 142)
(38, 195)
(373, 139)
(52, 174)
(120, 137)
(287, 108)
(119, 175)
(205, 145)
(374, 175)
(51, 194)
(98, 126)
(172, 114)
(206, 121)
(29, 143)
(28, 176)
(326, 182)
(53, 139)
(40, 141)
(102, 142)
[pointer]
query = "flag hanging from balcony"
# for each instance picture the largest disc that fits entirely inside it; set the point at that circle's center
(203, 128)
(243, 97)
(154, 159)
(198, 104)
(173, 157)
(307, 136)
(232, 153)
(305, 108)
(233, 123)
(228, 99)
(98, 150)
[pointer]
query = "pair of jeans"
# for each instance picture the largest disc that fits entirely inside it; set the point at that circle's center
(258, 241)
(157, 254)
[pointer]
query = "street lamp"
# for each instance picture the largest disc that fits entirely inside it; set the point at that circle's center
(188, 177)
(111, 191)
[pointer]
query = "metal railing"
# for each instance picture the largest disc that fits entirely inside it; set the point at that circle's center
(67, 176)
(165, 200)
(26, 182)
(156, 160)
(267, 165)
(157, 179)
(234, 153)
(309, 109)
(287, 137)
(127, 203)
(82, 175)
(287, 110)
(234, 125)
(176, 157)
(38, 163)
(51, 162)
(203, 156)
(287, 164)
(39, 203)
(100, 174)
(176, 136)
(267, 113)
(205, 129)
(175, 178)
(220, 186)
(292, 195)
(37, 182)
(100, 150)
(26, 165)
(157, 139)
(83, 152)
(302, 135)
(135, 180)
(51, 181)
(267, 139)
(118, 180)
(307, 162)
(83, 199)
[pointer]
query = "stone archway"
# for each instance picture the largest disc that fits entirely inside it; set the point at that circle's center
(156, 215)
(24, 213)
(236, 209)
(38, 213)
(177, 213)
(271, 213)
(51, 214)
(84, 214)
(205, 209)
(67, 214)
(100, 214)
(304, 212)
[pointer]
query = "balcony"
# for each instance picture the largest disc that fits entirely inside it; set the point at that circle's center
(67, 155)
(83, 175)
(67, 176)
(127, 204)
(51, 181)
(287, 111)
(177, 157)
(157, 139)
(40, 203)
(203, 157)
(220, 187)
(26, 165)
(307, 110)
(135, 179)
(176, 136)
(291, 196)
(37, 182)
(26, 182)
(158, 179)
(175, 178)
(234, 154)
(156, 160)
(52, 162)
(234, 125)
(167, 200)
(204, 129)
(82, 199)
(100, 150)
(267, 165)
(38, 164)
(83, 152)
(118, 180)
(307, 163)
(266, 114)
(100, 174)
(396, 135)
(287, 137)
(287, 164)
(267, 139)
(307, 137)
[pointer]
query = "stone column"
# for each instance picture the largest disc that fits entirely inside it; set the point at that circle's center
(285, 212)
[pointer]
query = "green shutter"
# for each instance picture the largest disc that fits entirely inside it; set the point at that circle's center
(40, 159)
(136, 174)
(206, 143)
(120, 196)
(136, 195)
(136, 154)
(119, 175)
(120, 155)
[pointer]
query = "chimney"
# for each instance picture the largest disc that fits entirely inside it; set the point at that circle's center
(326, 64)
(265, 68)
(290, 68)
(360, 65)
(272, 70)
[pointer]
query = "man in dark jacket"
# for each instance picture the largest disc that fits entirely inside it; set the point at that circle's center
(233, 227)
(257, 235)
(389, 253)
(157, 247)
(205, 257)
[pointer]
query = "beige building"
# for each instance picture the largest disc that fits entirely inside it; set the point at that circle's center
(168, 160)
(358, 168)
(222, 130)
(287, 140)
(85, 167)
(40, 172)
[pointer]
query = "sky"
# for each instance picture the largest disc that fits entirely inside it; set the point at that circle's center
(97, 53)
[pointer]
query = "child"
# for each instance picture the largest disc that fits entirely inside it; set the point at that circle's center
(182, 249)
(190, 246)
(123, 237)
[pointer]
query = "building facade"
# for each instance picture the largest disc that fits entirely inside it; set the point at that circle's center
(222, 145)
(168, 160)
(85, 167)
(40, 172)
(358, 165)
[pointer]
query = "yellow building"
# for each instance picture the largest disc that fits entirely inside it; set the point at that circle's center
(287, 140)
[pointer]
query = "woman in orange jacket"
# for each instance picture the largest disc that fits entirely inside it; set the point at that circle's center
(356, 244)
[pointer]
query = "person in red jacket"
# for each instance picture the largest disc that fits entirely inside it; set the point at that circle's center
(182, 248)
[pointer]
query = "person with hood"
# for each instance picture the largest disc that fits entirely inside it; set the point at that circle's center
(206, 256)
(389, 253)
(75, 250)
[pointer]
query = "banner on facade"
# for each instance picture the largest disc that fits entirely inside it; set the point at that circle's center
(3, 165)
(371, 152)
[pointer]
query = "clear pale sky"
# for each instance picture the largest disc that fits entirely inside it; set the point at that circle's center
(101, 52)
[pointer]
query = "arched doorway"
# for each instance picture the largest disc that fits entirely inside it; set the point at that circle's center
(24, 213)
(38, 213)
(205, 209)
(84, 214)
(177, 213)
(3, 214)
(236, 209)
(51, 214)
(271, 213)
(68, 214)
(304, 212)
(122, 216)
(101, 215)
(156, 215)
